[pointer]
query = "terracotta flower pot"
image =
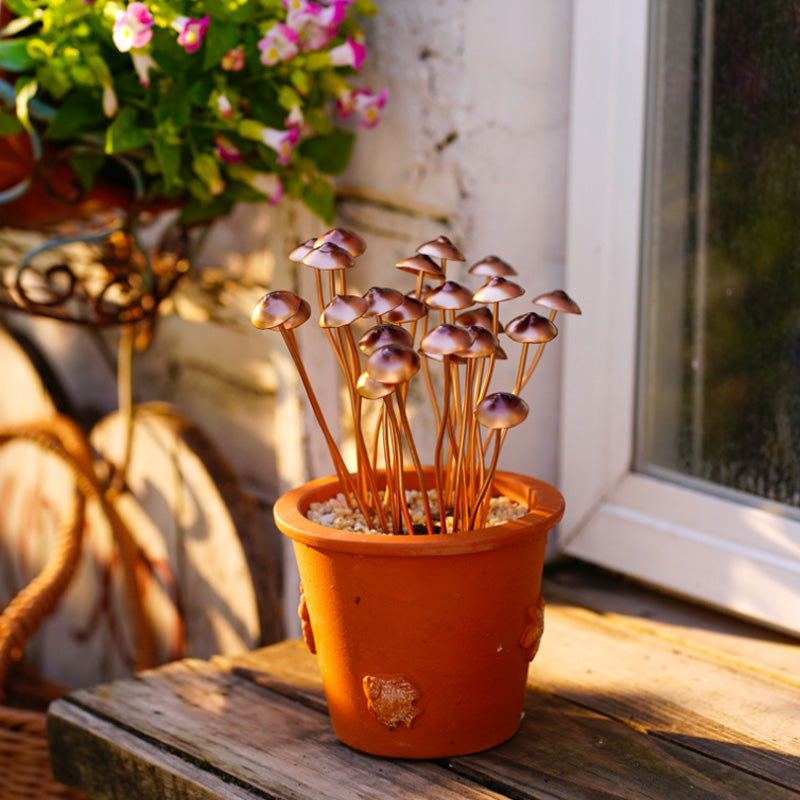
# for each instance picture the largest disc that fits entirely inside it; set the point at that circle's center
(423, 641)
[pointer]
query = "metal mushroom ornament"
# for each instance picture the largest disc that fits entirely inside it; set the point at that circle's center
(382, 339)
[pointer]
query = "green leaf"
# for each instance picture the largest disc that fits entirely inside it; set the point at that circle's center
(288, 98)
(175, 111)
(220, 38)
(19, 7)
(317, 61)
(250, 129)
(124, 133)
(195, 211)
(86, 166)
(318, 196)
(331, 152)
(301, 81)
(243, 193)
(318, 120)
(78, 113)
(200, 92)
(235, 11)
(9, 124)
(168, 54)
(14, 56)
(40, 50)
(365, 8)
(168, 158)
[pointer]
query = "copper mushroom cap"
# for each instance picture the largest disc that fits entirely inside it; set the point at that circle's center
(441, 247)
(558, 300)
(481, 316)
(328, 256)
(300, 316)
(409, 310)
(492, 266)
(421, 263)
(501, 410)
(496, 290)
(342, 309)
(394, 363)
(345, 239)
(451, 296)
(372, 389)
(381, 299)
(382, 336)
(302, 250)
(484, 343)
(274, 308)
(531, 328)
(445, 340)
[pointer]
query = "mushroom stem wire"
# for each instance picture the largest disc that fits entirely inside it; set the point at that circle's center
(437, 452)
(535, 361)
(366, 474)
(519, 383)
(399, 474)
(480, 509)
(412, 449)
(336, 456)
(461, 408)
(460, 496)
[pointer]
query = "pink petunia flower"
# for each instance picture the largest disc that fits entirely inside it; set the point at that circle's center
(333, 15)
(132, 28)
(224, 106)
(279, 44)
(349, 54)
(369, 106)
(268, 184)
(314, 24)
(143, 63)
(295, 118)
(227, 150)
(345, 101)
(282, 142)
(295, 8)
(233, 60)
(191, 32)
(110, 102)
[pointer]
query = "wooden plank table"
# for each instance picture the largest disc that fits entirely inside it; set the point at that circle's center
(632, 695)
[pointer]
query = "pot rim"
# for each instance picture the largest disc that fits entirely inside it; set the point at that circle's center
(545, 502)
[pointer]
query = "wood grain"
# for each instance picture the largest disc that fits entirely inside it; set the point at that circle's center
(565, 749)
(228, 726)
(714, 706)
(618, 708)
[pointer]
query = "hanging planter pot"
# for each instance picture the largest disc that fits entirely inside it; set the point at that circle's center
(423, 641)
(39, 190)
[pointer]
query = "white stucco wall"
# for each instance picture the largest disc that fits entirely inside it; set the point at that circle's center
(473, 144)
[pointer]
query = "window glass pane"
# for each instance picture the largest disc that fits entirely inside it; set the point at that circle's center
(719, 377)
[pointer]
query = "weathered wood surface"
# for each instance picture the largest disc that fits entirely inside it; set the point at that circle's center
(619, 706)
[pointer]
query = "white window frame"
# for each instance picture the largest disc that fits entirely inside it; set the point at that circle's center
(741, 558)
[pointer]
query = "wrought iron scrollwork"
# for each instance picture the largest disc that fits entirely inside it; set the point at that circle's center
(114, 282)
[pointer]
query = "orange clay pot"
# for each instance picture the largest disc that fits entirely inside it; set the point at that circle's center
(423, 641)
